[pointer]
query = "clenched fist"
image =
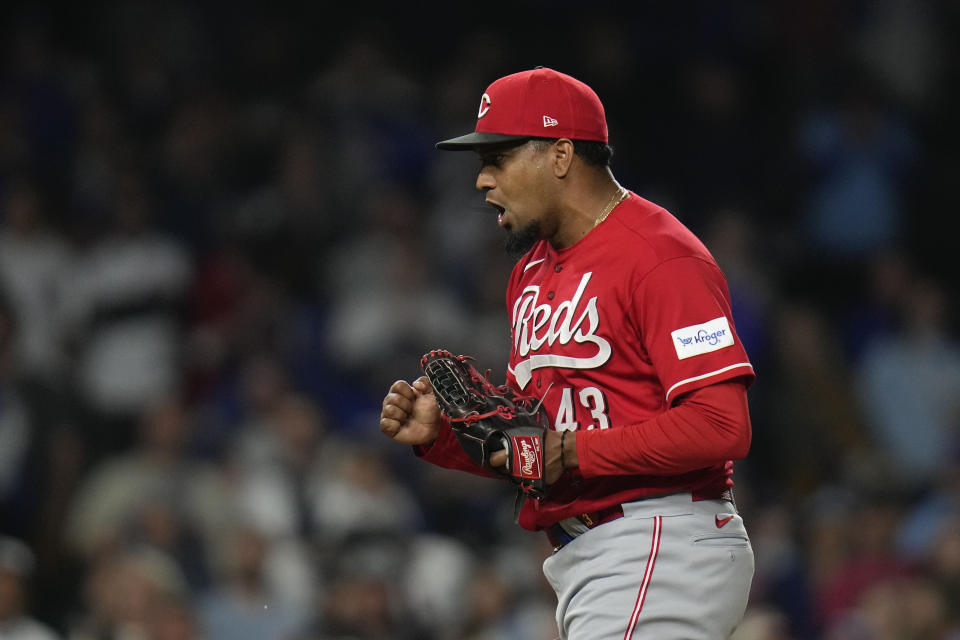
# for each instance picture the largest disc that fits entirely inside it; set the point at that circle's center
(410, 413)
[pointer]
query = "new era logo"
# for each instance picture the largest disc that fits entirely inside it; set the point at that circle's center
(549, 122)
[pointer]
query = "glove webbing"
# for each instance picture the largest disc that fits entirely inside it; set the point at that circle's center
(504, 412)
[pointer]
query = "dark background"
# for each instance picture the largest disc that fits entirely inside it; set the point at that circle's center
(224, 231)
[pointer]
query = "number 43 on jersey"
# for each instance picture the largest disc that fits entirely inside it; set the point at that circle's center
(587, 407)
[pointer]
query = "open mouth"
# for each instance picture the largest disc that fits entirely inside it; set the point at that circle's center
(500, 211)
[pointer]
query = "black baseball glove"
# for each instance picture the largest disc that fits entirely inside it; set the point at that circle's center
(487, 418)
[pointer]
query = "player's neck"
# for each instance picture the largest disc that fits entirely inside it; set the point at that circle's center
(586, 204)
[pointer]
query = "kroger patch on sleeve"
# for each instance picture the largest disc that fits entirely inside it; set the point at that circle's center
(702, 338)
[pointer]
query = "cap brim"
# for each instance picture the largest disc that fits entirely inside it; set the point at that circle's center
(477, 140)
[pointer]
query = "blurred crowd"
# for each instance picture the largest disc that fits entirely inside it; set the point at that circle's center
(224, 231)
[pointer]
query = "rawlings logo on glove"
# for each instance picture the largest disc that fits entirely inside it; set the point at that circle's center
(487, 418)
(528, 452)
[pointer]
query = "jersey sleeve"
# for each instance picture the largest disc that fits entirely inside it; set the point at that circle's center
(706, 427)
(687, 327)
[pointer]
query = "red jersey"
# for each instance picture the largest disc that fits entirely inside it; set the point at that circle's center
(609, 332)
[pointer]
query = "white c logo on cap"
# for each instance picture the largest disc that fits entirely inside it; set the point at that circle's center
(484, 106)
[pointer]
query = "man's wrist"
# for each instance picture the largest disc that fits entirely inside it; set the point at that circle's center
(568, 450)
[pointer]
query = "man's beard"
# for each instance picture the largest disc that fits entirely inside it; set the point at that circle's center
(519, 242)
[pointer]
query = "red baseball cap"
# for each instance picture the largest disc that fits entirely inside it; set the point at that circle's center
(539, 103)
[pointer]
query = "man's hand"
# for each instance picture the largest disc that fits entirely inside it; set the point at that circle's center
(410, 413)
(553, 464)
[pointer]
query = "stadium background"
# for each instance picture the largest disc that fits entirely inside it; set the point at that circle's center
(224, 230)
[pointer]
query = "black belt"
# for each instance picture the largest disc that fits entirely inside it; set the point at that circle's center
(560, 536)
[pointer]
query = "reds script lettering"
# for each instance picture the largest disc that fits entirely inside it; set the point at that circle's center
(536, 325)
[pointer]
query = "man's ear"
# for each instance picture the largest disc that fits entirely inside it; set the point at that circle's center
(562, 157)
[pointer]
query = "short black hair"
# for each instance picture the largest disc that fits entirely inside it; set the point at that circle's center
(594, 153)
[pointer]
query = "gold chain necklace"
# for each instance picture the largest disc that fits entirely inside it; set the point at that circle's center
(619, 196)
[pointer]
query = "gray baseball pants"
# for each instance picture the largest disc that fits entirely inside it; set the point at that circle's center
(669, 569)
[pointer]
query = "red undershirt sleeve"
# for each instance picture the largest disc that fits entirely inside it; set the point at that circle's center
(446, 452)
(707, 426)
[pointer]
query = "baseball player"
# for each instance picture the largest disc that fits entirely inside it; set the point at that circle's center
(621, 325)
